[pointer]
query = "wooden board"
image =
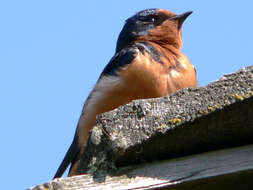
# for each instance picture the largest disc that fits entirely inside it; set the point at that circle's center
(223, 169)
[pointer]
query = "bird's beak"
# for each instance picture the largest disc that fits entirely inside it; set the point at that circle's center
(181, 18)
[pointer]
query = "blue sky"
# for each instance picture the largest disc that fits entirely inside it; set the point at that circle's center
(52, 52)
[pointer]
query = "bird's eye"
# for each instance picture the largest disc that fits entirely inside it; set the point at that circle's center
(148, 18)
(153, 19)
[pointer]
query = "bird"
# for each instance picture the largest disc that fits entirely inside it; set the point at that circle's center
(148, 63)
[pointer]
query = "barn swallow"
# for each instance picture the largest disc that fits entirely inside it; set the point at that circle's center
(148, 63)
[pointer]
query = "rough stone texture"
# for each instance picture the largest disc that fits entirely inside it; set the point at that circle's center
(186, 122)
(189, 121)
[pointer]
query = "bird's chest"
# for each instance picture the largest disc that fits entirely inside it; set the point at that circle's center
(145, 77)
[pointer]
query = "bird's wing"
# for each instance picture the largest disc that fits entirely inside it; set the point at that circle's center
(119, 60)
(68, 158)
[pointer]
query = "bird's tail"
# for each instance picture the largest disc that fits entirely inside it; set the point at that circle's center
(69, 158)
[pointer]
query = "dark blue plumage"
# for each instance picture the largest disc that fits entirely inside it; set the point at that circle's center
(127, 55)
(119, 60)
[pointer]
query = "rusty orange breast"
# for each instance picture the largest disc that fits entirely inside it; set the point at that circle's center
(147, 78)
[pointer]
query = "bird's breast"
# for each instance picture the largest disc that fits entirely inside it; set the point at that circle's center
(148, 78)
(145, 77)
(181, 74)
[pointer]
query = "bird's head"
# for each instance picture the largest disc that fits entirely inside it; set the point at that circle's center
(155, 25)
